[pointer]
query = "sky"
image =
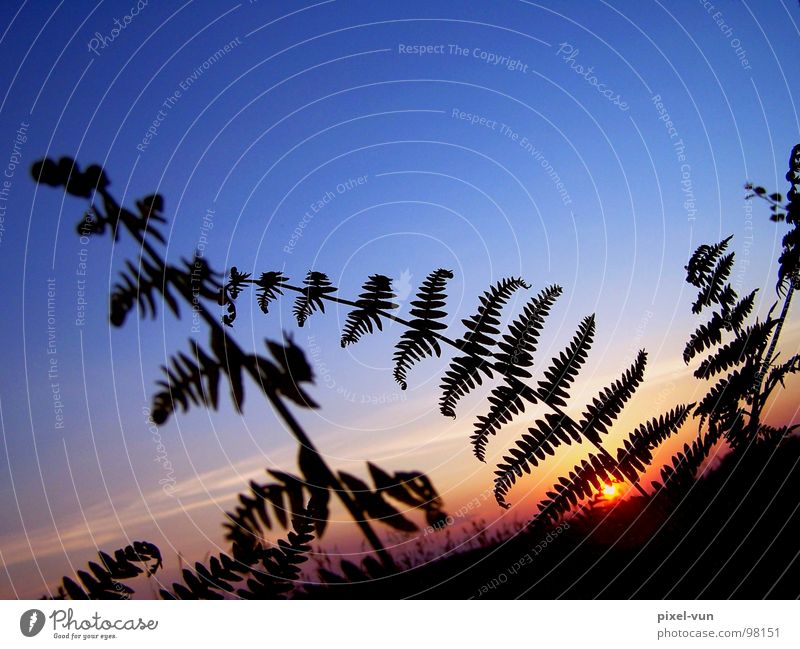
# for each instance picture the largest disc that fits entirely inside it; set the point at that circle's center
(589, 144)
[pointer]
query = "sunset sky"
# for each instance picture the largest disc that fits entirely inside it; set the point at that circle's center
(589, 144)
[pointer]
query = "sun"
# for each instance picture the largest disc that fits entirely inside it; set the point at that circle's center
(610, 491)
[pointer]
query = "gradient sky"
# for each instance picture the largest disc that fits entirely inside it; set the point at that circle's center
(312, 95)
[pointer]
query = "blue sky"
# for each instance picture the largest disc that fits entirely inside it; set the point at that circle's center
(307, 98)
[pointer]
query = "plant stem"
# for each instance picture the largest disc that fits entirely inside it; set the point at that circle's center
(758, 399)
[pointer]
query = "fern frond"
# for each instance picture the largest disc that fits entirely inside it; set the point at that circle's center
(701, 263)
(418, 342)
(715, 290)
(189, 380)
(773, 436)
(724, 396)
(238, 282)
(704, 337)
(585, 477)
(748, 344)
(678, 476)
(103, 579)
(636, 453)
(464, 373)
(708, 335)
(376, 297)
(317, 286)
(248, 524)
(739, 313)
(564, 367)
(506, 402)
(779, 372)
(270, 571)
(532, 447)
(140, 286)
(601, 412)
(269, 287)
(519, 344)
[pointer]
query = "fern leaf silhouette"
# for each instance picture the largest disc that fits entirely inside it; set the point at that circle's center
(105, 577)
(270, 571)
(506, 402)
(419, 341)
(701, 264)
(519, 344)
(269, 287)
(532, 447)
(723, 397)
(464, 372)
(565, 367)
(605, 408)
(748, 343)
(636, 453)
(708, 335)
(376, 297)
(679, 476)
(590, 474)
(317, 285)
(715, 290)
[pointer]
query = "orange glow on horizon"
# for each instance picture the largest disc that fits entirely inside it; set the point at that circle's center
(610, 491)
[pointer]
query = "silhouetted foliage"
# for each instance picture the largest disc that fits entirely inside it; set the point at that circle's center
(376, 298)
(102, 581)
(426, 311)
(739, 359)
(195, 377)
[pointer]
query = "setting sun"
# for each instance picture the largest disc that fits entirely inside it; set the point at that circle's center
(610, 491)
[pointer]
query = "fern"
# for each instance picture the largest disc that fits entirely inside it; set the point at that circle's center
(140, 286)
(548, 435)
(317, 286)
(274, 502)
(678, 477)
(519, 344)
(564, 367)
(708, 335)
(533, 447)
(748, 344)
(702, 262)
(505, 403)
(725, 395)
(103, 579)
(376, 297)
(567, 492)
(269, 287)
(464, 372)
(715, 290)
(636, 453)
(514, 356)
(189, 380)
(605, 408)
(779, 372)
(419, 340)
(271, 572)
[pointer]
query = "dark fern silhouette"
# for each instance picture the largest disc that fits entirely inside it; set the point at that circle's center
(485, 353)
(103, 580)
(197, 376)
(746, 369)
